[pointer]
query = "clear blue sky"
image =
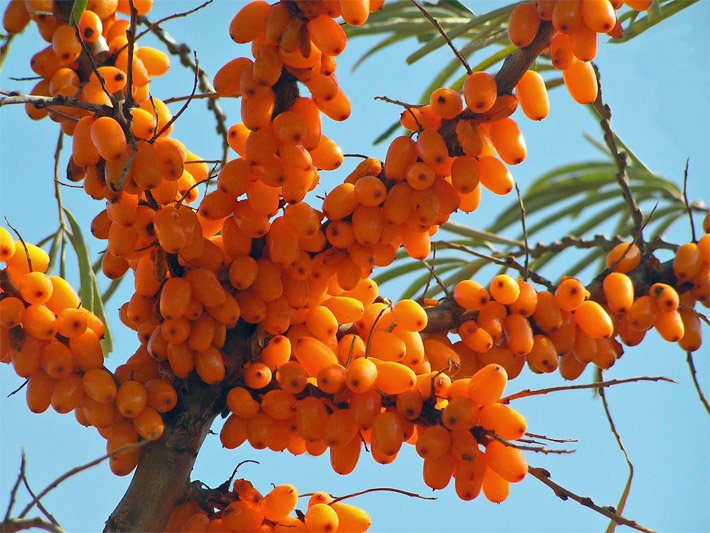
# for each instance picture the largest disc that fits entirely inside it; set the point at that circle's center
(657, 86)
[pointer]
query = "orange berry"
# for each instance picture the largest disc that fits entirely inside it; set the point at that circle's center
(480, 91)
(623, 258)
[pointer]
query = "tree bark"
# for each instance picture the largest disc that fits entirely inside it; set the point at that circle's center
(163, 473)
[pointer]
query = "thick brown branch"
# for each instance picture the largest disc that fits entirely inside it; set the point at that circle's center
(517, 63)
(163, 474)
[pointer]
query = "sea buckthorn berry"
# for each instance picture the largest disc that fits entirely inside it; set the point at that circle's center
(687, 261)
(446, 103)
(409, 315)
(570, 294)
(665, 296)
(624, 258)
(505, 421)
(518, 333)
(131, 398)
(480, 91)
(7, 245)
(470, 295)
(495, 176)
(99, 385)
(292, 377)
(11, 312)
(15, 18)
(149, 424)
(508, 141)
(593, 320)
(460, 413)
(437, 472)
(581, 81)
(599, 16)
(322, 517)
(527, 300)
(161, 395)
(523, 25)
(567, 16)
(361, 375)
(692, 338)
(65, 44)
(431, 147)
(279, 502)
(370, 191)
(39, 321)
(257, 375)
(642, 313)
(56, 360)
(17, 266)
(543, 355)
(506, 461)
(618, 292)
(532, 95)
(561, 52)
(487, 385)
(669, 325)
(90, 26)
(387, 433)
(109, 139)
(504, 289)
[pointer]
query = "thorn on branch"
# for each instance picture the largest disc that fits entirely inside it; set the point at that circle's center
(698, 388)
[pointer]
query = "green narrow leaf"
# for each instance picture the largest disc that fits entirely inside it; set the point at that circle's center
(479, 235)
(77, 10)
(89, 293)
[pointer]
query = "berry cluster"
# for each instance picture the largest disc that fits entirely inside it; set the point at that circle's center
(577, 24)
(55, 343)
(243, 508)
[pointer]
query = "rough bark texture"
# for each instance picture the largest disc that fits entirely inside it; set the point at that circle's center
(163, 472)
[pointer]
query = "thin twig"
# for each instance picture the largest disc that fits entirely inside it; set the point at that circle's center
(565, 494)
(433, 274)
(685, 200)
(694, 375)
(525, 232)
(197, 96)
(539, 392)
(24, 244)
(184, 107)
(18, 389)
(441, 30)
(507, 262)
(398, 102)
(537, 449)
(94, 68)
(42, 102)
(551, 439)
(77, 470)
(131, 34)
(184, 53)
(627, 488)
(158, 22)
(372, 330)
(40, 506)
(381, 489)
(20, 524)
(604, 113)
(13, 492)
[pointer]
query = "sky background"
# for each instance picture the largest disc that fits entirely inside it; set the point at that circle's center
(657, 86)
